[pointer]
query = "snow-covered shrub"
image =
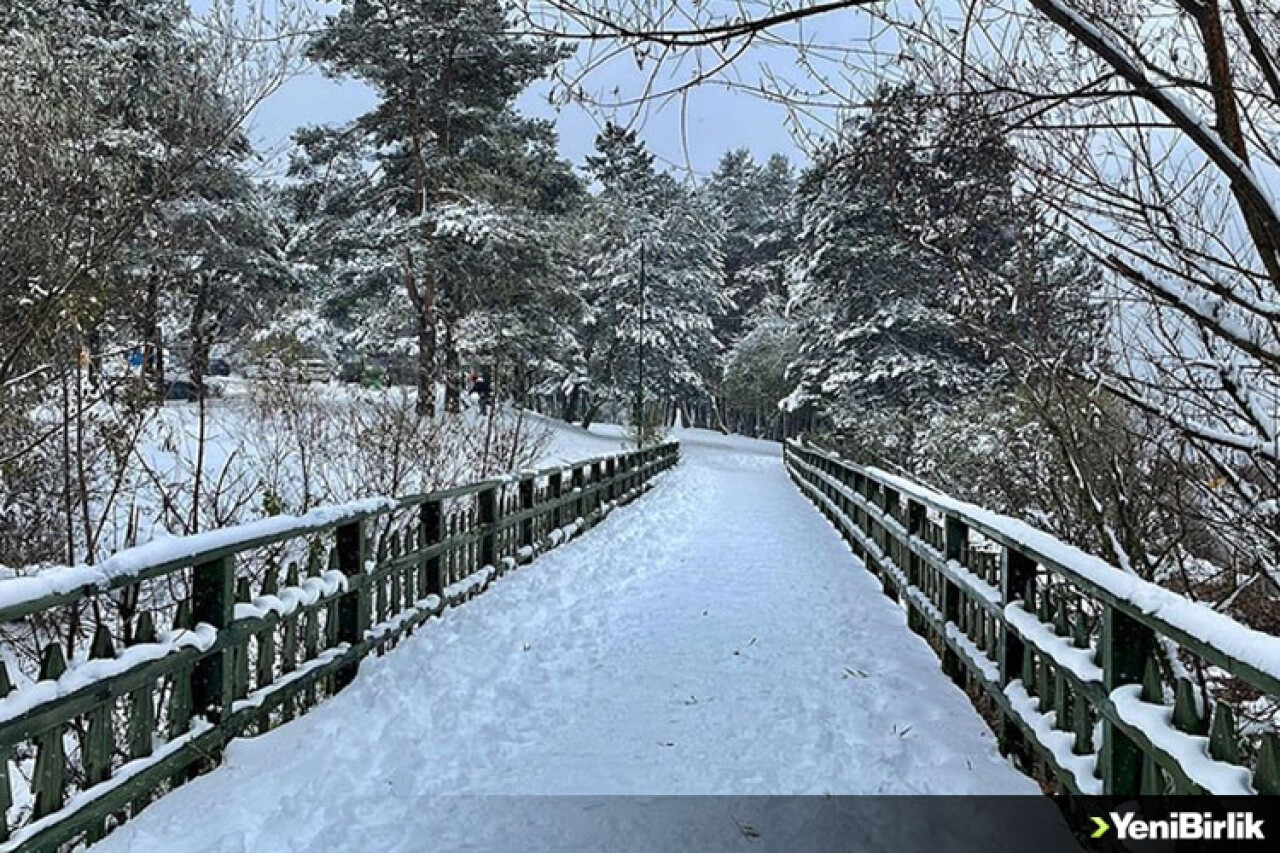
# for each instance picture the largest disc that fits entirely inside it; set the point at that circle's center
(32, 524)
(503, 440)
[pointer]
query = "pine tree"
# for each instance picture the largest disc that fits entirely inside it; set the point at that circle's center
(218, 258)
(447, 74)
(753, 204)
(921, 278)
(755, 207)
(650, 283)
(109, 112)
(755, 373)
(905, 229)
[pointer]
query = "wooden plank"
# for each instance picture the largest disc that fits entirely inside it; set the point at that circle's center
(141, 722)
(265, 643)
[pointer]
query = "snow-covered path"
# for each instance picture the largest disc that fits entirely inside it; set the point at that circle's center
(716, 637)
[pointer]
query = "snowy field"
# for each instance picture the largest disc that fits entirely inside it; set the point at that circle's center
(264, 449)
(715, 637)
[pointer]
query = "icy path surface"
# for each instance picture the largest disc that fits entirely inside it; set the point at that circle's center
(716, 637)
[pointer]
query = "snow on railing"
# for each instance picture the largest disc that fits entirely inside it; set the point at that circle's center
(1062, 644)
(268, 619)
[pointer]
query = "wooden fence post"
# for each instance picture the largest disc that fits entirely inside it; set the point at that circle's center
(213, 602)
(1017, 579)
(487, 518)
(845, 476)
(957, 541)
(857, 482)
(576, 481)
(1126, 646)
(555, 490)
(526, 505)
(890, 500)
(916, 519)
(432, 522)
(351, 546)
(1017, 576)
(593, 481)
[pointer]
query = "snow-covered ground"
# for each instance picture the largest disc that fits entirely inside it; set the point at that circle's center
(569, 442)
(288, 448)
(716, 637)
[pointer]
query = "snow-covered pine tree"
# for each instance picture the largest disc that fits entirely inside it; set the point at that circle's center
(755, 209)
(346, 242)
(108, 110)
(517, 300)
(447, 74)
(219, 258)
(755, 372)
(775, 240)
(922, 279)
(643, 218)
(753, 204)
(506, 254)
(904, 230)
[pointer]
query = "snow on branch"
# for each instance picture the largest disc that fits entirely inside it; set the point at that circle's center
(1243, 179)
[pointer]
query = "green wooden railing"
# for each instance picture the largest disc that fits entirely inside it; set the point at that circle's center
(267, 619)
(1070, 657)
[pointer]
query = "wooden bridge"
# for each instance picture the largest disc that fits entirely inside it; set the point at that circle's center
(1059, 651)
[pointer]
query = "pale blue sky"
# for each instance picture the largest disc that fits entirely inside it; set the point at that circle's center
(714, 120)
(695, 133)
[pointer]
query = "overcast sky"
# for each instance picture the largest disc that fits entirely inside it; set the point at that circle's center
(712, 120)
(692, 133)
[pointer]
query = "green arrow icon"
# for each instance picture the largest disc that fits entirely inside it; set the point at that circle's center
(1102, 825)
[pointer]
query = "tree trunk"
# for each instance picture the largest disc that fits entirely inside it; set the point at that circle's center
(198, 364)
(593, 408)
(152, 339)
(569, 412)
(93, 342)
(452, 383)
(425, 377)
(719, 411)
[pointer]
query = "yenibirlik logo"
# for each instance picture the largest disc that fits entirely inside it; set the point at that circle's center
(1182, 826)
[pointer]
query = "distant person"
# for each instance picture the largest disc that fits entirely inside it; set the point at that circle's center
(480, 387)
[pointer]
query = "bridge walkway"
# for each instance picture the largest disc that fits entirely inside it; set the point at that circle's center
(716, 637)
